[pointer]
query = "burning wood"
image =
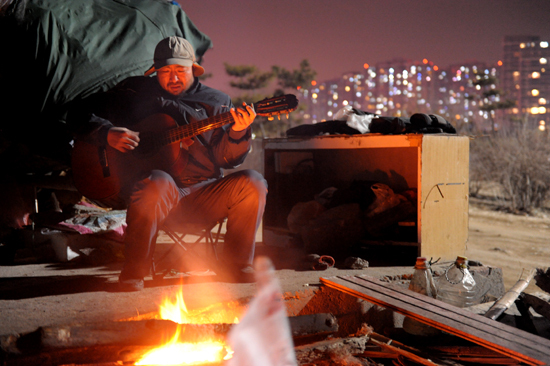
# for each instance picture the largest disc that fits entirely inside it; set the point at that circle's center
(174, 340)
(112, 337)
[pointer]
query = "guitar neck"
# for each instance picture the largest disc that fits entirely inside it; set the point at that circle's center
(194, 129)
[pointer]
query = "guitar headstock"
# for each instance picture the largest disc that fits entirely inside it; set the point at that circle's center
(276, 106)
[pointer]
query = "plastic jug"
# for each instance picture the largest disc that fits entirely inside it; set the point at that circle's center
(422, 280)
(423, 283)
(457, 286)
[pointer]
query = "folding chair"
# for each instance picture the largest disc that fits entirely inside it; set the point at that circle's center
(186, 248)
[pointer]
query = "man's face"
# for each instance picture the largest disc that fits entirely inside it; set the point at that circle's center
(175, 79)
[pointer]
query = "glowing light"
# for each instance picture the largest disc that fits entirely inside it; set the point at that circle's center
(347, 88)
(425, 61)
(543, 61)
(542, 127)
(535, 92)
(542, 110)
(335, 96)
(436, 68)
(522, 45)
(535, 75)
(313, 82)
(457, 116)
(542, 101)
(544, 44)
(175, 352)
(366, 66)
(542, 122)
(345, 102)
(499, 63)
(534, 110)
(314, 95)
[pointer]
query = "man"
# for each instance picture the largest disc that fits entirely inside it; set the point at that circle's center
(199, 191)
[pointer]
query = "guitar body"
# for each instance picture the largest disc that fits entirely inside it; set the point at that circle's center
(104, 174)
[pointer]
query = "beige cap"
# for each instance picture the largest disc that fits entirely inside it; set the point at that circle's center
(175, 51)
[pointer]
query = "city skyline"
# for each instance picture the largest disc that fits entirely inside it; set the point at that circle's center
(339, 37)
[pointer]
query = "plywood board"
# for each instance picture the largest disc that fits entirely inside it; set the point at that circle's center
(343, 142)
(509, 341)
(443, 196)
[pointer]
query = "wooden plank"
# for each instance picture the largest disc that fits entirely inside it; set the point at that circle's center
(504, 339)
(443, 195)
(462, 318)
(343, 142)
(405, 351)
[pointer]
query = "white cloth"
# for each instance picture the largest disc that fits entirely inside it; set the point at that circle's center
(263, 338)
(359, 122)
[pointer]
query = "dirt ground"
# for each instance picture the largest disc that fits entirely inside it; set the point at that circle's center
(514, 243)
(33, 295)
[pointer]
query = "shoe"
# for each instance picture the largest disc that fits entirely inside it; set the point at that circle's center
(130, 284)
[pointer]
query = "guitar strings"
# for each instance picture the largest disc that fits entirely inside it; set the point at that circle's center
(191, 130)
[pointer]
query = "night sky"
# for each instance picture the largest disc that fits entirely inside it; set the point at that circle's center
(340, 36)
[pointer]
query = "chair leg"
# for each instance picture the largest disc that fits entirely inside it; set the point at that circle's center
(188, 246)
(215, 243)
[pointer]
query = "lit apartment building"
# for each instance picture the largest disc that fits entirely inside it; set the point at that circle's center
(328, 97)
(534, 83)
(402, 87)
(459, 95)
(393, 88)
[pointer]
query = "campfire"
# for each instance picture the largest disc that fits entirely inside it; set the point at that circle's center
(212, 349)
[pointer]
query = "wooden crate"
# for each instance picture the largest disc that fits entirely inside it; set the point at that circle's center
(435, 165)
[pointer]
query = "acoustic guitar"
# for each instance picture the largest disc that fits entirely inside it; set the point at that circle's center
(100, 173)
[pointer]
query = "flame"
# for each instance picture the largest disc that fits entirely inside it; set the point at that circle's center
(175, 352)
(176, 311)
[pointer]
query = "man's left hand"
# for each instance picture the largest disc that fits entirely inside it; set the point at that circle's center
(243, 117)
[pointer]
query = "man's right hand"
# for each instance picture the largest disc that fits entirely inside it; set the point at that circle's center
(122, 139)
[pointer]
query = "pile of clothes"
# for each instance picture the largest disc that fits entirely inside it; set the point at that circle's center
(351, 121)
(337, 219)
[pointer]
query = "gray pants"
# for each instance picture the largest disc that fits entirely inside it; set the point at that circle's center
(239, 197)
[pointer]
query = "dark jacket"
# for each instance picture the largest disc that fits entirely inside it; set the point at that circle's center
(136, 98)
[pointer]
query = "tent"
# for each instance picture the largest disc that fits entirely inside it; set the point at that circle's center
(56, 52)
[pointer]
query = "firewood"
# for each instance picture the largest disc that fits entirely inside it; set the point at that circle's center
(313, 327)
(138, 333)
(64, 344)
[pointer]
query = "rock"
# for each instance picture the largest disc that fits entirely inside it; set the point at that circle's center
(355, 263)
